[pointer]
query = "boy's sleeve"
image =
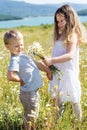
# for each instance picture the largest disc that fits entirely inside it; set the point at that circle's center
(14, 64)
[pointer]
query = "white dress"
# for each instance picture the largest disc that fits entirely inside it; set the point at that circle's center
(69, 85)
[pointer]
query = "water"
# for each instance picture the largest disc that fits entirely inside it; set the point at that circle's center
(32, 21)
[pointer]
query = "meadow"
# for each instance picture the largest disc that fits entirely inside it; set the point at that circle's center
(11, 111)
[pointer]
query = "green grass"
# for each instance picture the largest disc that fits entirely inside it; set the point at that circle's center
(11, 111)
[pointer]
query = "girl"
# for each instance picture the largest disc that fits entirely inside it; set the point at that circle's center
(68, 34)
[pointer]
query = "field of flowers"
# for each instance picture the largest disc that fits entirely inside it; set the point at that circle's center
(11, 111)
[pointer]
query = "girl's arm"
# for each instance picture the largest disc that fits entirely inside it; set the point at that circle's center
(71, 47)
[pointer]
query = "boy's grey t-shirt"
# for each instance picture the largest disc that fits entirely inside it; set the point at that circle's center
(26, 69)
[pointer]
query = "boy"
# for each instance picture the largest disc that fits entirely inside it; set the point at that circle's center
(24, 70)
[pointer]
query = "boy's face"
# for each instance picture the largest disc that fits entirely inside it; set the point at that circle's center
(15, 46)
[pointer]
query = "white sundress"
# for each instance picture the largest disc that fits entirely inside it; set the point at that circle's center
(69, 84)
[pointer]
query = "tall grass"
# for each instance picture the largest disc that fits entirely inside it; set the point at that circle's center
(11, 111)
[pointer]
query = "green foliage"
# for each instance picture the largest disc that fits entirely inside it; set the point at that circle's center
(11, 111)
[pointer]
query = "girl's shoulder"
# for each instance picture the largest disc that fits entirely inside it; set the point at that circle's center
(74, 37)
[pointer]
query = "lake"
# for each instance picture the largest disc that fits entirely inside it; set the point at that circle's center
(32, 21)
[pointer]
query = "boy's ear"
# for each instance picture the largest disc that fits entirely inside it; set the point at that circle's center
(7, 46)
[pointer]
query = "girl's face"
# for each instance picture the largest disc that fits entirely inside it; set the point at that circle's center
(15, 46)
(61, 22)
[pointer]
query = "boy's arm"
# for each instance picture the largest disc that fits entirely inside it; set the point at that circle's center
(12, 76)
(44, 68)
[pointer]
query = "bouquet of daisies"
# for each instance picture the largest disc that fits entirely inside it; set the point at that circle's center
(36, 50)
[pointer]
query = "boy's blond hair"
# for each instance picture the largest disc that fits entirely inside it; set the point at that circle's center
(12, 35)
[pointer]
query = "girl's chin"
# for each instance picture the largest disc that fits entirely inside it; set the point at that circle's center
(61, 31)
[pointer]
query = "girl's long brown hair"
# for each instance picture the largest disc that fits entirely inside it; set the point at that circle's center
(73, 24)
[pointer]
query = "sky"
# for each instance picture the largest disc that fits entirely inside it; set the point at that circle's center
(53, 1)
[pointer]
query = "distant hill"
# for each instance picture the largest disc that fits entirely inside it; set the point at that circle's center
(82, 12)
(22, 9)
(7, 17)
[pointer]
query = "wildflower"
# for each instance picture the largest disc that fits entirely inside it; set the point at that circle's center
(52, 90)
(37, 50)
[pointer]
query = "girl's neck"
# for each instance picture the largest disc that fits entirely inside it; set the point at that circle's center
(61, 38)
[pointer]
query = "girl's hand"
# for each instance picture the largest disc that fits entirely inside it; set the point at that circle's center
(47, 61)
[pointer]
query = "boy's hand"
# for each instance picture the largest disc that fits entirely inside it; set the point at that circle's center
(22, 83)
(49, 76)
